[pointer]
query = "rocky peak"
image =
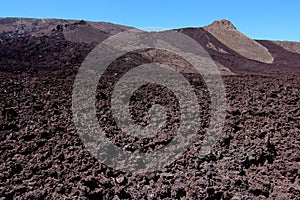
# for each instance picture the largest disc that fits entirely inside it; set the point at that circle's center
(224, 23)
(226, 33)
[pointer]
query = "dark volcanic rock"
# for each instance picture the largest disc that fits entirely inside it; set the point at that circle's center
(42, 156)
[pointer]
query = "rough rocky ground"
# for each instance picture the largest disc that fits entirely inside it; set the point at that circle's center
(42, 156)
(257, 156)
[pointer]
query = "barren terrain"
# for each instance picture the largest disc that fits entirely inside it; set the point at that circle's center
(42, 156)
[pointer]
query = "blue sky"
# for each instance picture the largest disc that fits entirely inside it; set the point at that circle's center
(264, 19)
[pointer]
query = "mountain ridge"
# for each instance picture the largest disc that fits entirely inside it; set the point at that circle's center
(233, 52)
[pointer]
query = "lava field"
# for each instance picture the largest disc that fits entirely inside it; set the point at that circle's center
(42, 156)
